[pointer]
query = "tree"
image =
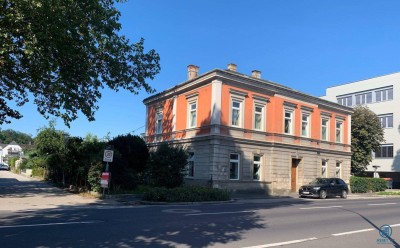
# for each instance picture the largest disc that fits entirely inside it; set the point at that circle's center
(366, 136)
(167, 166)
(62, 53)
(9, 135)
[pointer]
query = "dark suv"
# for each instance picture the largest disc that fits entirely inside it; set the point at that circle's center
(323, 187)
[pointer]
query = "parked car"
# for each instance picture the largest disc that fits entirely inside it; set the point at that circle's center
(324, 187)
(4, 167)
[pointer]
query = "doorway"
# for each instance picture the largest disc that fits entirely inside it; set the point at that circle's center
(295, 164)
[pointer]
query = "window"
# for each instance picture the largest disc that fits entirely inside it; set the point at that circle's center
(386, 120)
(257, 168)
(190, 165)
(384, 95)
(234, 166)
(324, 166)
(324, 129)
(385, 151)
(288, 122)
(339, 131)
(236, 113)
(338, 172)
(258, 117)
(364, 98)
(192, 114)
(346, 101)
(305, 125)
(159, 115)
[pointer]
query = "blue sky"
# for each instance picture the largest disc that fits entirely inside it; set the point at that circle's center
(306, 45)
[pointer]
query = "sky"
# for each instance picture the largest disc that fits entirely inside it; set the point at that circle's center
(307, 45)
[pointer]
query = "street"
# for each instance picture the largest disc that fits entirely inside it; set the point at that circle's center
(256, 223)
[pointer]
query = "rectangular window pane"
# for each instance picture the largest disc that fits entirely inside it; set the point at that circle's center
(369, 97)
(338, 132)
(288, 123)
(390, 121)
(378, 96)
(236, 118)
(234, 166)
(304, 125)
(256, 168)
(390, 94)
(257, 121)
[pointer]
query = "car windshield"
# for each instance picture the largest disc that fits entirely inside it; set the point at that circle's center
(320, 181)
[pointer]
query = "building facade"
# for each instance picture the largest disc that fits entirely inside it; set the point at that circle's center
(382, 96)
(244, 133)
(9, 150)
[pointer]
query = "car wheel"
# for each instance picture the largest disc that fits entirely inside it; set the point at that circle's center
(302, 196)
(322, 194)
(344, 194)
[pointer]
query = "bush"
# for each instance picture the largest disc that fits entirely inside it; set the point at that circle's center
(94, 176)
(186, 194)
(167, 166)
(366, 184)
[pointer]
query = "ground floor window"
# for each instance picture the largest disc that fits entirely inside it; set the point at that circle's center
(257, 168)
(324, 166)
(190, 165)
(338, 169)
(234, 166)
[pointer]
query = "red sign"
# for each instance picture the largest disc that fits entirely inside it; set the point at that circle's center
(105, 176)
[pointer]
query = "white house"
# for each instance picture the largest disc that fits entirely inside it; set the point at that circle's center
(10, 150)
(381, 95)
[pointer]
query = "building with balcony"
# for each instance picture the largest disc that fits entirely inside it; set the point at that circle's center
(382, 96)
(244, 133)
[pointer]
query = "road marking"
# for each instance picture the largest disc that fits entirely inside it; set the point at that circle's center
(180, 211)
(54, 224)
(217, 213)
(394, 225)
(382, 204)
(352, 232)
(283, 243)
(322, 207)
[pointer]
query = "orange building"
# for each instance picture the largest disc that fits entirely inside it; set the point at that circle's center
(244, 133)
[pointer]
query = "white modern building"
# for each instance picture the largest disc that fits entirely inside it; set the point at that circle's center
(381, 95)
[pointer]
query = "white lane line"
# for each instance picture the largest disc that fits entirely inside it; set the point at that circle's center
(394, 225)
(323, 207)
(352, 232)
(53, 224)
(282, 243)
(217, 213)
(382, 204)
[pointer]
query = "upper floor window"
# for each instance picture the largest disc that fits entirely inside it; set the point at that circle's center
(386, 120)
(384, 95)
(339, 126)
(236, 113)
(234, 166)
(305, 124)
(364, 98)
(346, 101)
(324, 129)
(192, 114)
(257, 168)
(258, 117)
(288, 122)
(385, 151)
(159, 115)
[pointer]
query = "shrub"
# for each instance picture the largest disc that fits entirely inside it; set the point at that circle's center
(167, 166)
(186, 194)
(366, 184)
(94, 176)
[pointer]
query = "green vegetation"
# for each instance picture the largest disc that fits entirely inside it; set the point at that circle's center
(62, 53)
(186, 194)
(366, 137)
(367, 184)
(7, 136)
(389, 193)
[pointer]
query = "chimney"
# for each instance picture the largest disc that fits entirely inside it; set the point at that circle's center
(256, 74)
(193, 71)
(232, 67)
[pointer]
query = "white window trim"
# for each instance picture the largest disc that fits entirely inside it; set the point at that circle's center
(262, 106)
(189, 113)
(291, 111)
(386, 116)
(241, 112)
(159, 113)
(238, 166)
(341, 131)
(338, 169)
(191, 159)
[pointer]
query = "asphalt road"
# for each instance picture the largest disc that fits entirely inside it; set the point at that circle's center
(256, 223)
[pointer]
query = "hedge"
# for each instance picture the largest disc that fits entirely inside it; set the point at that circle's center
(186, 194)
(367, 184)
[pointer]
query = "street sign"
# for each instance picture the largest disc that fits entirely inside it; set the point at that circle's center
(105, 178)
(108, 156)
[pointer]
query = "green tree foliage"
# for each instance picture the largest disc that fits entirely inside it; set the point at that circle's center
(7, 136)
(366, 136)
(62, 53)
(167, 166)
